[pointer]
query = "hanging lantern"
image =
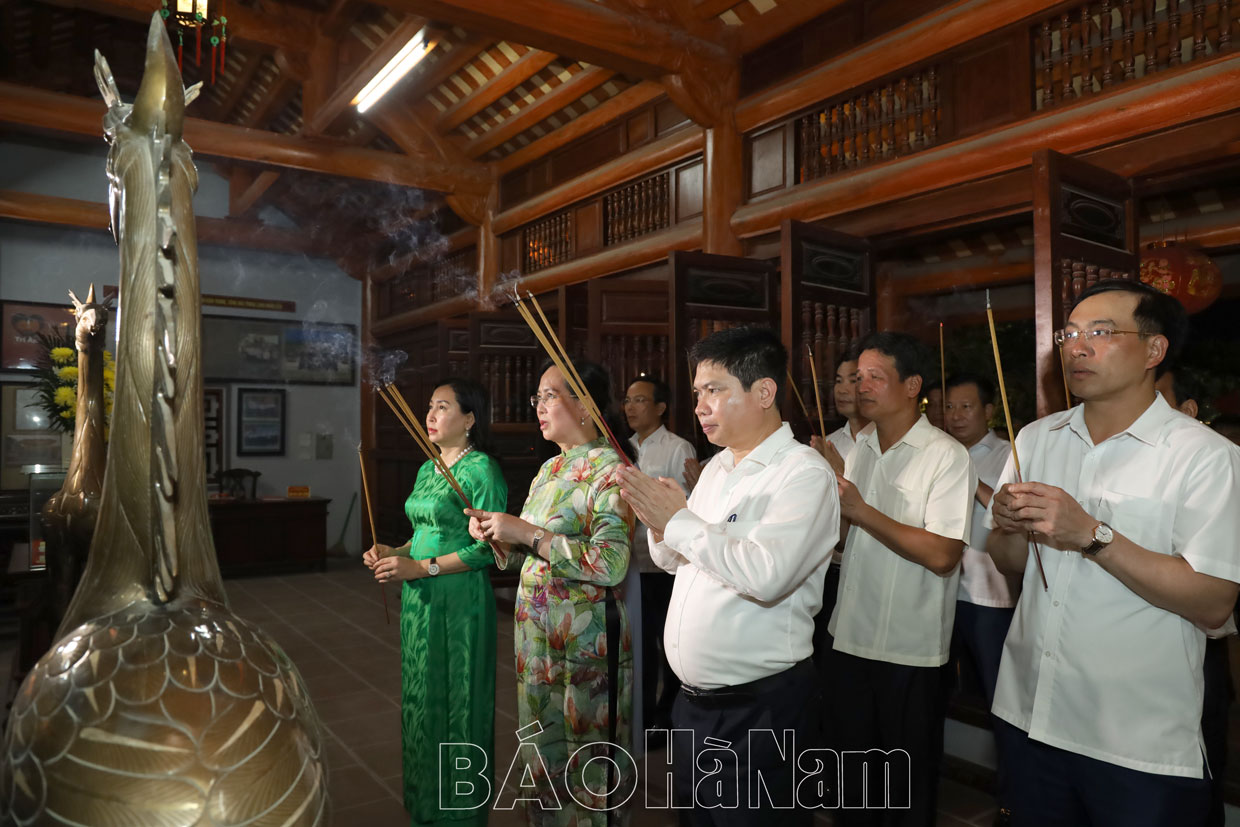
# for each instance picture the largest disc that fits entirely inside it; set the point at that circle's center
(1184, 272)
(186, 14)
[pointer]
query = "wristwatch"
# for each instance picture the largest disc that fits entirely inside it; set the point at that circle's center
(538, 535)
(1103, 535)
(432, 568)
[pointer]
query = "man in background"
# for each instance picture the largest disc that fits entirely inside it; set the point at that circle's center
(659, 453)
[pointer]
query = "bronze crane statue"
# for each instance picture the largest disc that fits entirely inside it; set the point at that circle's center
(158, 705)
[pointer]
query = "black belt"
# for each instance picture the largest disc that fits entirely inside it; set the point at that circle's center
(742, 693)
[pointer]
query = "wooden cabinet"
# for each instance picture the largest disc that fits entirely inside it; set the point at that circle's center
(253, 536)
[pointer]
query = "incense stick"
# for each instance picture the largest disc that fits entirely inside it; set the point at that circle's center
(1063, 369)
(374, 539)
(399, 407)
(822, 429)
(1007, 416)
(560, 358)
(793, 384)
(942, 377)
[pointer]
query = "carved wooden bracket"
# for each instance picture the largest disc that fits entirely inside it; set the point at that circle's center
(707, 94)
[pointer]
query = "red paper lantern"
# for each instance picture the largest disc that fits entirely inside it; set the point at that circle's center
(1183, 272)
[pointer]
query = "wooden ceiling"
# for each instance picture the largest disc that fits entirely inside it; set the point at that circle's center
(503, 78)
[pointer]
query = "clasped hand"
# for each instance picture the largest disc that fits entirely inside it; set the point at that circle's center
(654, 501)
(388, 565)
(498, 527)
(1051, 514)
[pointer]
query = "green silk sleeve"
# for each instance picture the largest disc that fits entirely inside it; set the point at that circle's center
(485, 486)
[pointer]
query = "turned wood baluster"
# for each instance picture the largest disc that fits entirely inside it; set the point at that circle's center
(886, 121)
(1151, 44)
(1224, 25)
(643, 208)
(807, 341)
(876, 129)
(1108, 58)
(863, 130)
(509, 414)
(1091, 275)
(1065, 58)
(860, 142)
(1078, 279)
(492, 374)
(1087, 52)
(845, 338)
(652, 210)
(932, 108)
(821, 132)
(1173, 32)
(1199, 29)
(1130, 33)
(835, 149)
(848, 157)
(1065, 286)
(1048, 66)
(824, 357)
(634, 211)
(807, 142)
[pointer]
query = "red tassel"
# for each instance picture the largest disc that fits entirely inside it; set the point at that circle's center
(223, 47)
(180, 55)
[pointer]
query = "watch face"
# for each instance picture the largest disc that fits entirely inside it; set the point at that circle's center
(433, 569)
(1103, 533)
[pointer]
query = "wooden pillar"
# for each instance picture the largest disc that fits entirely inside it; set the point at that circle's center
(722, 186)
(1047, 313)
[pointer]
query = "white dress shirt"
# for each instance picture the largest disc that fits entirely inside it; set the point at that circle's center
(1089, 666)
(843, 441)
(889, 608)
(662, 454)
(980, 582)
(750, 556)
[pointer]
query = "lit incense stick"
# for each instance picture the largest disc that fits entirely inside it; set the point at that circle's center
(370, 512)
(405, 416)
(943, 375)
(822, 430)
(1007, 416)
(805, 410)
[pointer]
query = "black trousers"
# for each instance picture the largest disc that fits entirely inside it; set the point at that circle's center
(730, 794)
(896, 709)
(1214, 714)
(822, 638)
(656, 595)
(1052, 787)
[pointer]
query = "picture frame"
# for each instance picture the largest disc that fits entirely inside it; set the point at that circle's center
(246, 349)
(260, 422)
(21, 324)
(19, 449)
(215, 453)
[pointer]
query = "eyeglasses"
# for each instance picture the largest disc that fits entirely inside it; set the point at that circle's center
(635, 400)
(547, 400)
(1093, 336)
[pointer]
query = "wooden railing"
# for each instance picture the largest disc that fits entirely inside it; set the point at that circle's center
(827, 331)
(1095, 46)
(626, 356)
(1075, 277)
(870, 125)
(510, 381)
(547, 242)
(636, 209)
(454, 275)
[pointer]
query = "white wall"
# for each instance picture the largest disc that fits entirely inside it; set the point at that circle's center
(41, 263)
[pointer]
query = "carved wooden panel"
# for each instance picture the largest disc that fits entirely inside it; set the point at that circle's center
(768, 158)
(989, 86)
(689, 192)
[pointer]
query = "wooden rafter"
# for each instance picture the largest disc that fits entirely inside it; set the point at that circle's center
(626, 41)
(617, 107)
(75, 115)
(277, 26)
(706, 9)
(241, 85)
(525, 67)
(579, 84)
(73, 212)
(426, 76)
(410, 130)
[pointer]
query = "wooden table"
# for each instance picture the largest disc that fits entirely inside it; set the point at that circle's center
(257, 536)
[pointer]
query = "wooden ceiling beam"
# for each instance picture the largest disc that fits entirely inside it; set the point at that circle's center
(619, 106)
(426, 76)
(43, 110)
(708, 9)
(277, 26)
(220, 111)
(623, 40)
(517, 73)
(781, 20)
(225, 232)
(579, 84)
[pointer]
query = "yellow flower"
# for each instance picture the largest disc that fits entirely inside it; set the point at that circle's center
(107, 357)
(109, 378)
(67, 373)
(66, 397)
(67, 414)
(61, 355)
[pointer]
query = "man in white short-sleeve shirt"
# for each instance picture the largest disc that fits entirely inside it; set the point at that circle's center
(908, 493)
(1136, 509)
(749, 551)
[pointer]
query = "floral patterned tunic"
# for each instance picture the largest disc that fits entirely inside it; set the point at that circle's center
(561, 629)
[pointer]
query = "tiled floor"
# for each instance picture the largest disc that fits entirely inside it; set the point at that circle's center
(332, 626)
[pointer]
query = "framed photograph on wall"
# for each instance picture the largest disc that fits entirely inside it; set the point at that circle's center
(213, 433)
(24, 446)
(260, 422)
(21, 324)
(243, 349)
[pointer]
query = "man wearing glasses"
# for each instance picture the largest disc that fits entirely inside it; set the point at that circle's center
(1136, 509)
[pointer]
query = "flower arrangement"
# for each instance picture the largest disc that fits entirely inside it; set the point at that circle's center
(56, 382)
